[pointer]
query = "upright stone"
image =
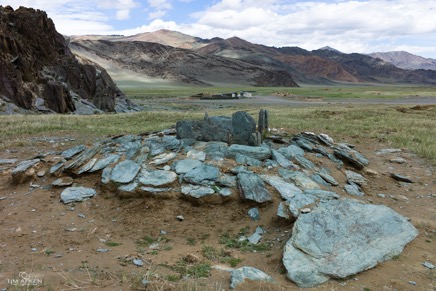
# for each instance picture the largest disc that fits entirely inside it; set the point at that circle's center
(243, 128)
(263, 125)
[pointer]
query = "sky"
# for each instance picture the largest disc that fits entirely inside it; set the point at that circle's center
(348, 26)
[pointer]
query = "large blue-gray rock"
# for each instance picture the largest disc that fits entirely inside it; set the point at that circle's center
(156, 177)
(341, 238)
(217, 128)
(203, 175)
(353, 189)
(197, 191)
(239, 129)
(356, 178)
(76, 194)
(253, 188)
(238, 276)
(163, 158)
(258, 153)
(125, 172)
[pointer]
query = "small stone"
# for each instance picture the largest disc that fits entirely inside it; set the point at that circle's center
(138, 262)
(239, 275)
(163, 232)
(40, 173)
(180, 217)
(64, 181)
(401, 178)
(353, 189)
(102, 250)
(254, 214)
(34, 249)
(81, 215)
(412, 283)
(306, 210)
(428, 265)
(387, 151)
(397, 160)
(381, 195)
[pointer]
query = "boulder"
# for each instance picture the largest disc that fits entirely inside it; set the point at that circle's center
(341, 238)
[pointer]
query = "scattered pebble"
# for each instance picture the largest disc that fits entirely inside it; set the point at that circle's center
(180, 217)
(163, 232)
(381, 195)
(102, 250)
(412, 283)
(81, 215)
(428, 265)
(138, 262)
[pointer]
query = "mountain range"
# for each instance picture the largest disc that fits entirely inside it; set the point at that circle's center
(174, 56)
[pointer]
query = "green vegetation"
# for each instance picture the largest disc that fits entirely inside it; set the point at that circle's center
(112, 244)
(197, 270)
(141, 91)
(233, 242)
(404, 126)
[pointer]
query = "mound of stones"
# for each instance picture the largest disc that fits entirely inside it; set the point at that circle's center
(332, 236)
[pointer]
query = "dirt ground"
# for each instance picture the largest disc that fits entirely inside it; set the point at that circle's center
(54, 246)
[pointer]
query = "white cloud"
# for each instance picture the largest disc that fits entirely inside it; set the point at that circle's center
(347, 25)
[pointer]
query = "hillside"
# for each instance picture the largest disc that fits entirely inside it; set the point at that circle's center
(161, 62)
(39, 72)
(406, 60)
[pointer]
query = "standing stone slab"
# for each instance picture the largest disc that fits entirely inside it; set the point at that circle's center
(68, 154)
(125, 172)
(76, 194)
(341, 238)
(243, 128)
(281, 160)
(253, 188)
(351, 156)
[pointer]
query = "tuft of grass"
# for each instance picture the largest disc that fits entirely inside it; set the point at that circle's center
(113, 244)
(191, 241)
(220, 256)
(233, 242)
(198, 270)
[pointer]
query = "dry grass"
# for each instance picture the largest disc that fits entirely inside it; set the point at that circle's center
(412, 127)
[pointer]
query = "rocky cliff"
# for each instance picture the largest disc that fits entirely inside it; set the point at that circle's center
(39, 72)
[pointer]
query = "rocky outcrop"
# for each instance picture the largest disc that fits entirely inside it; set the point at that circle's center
(39, 72)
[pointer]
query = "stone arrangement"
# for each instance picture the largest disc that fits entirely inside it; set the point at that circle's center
(332, 236)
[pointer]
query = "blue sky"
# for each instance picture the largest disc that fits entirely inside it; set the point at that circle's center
(349, 26)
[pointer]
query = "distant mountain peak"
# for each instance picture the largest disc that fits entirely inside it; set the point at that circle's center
(329, 48)
(406, 60)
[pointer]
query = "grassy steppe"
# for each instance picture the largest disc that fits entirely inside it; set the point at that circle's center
(146, 91)
(405, 126)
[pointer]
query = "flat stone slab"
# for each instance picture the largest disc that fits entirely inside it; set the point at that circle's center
(125, 172)
(69, 153)
(258, 153)
(157, 177)
(300, 179)
(77, 194)
(341, 238)
(104, 162)
(253, 188)
(286, 190)
(184, 166)
(203, 175)
(197, 191)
